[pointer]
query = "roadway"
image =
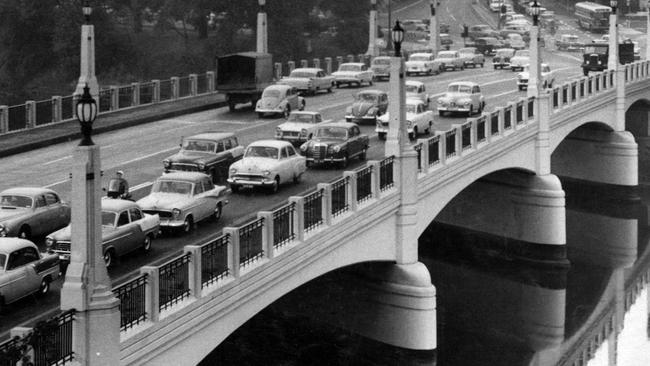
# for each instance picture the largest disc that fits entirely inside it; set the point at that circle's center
(139, 152)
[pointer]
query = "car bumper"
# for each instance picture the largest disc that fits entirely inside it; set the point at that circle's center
(385, 130)
(416, 69)
(248, 183)
(522, 82)
(351, 118)
(453, 109)
(329, 159)
(265, 110)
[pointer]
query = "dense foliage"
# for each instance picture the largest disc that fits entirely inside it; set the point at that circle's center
(146, 39)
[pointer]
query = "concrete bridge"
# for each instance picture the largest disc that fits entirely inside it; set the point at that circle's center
(505, 164)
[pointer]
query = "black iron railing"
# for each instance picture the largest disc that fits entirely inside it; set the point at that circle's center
(214, 260)
(466, 134)
(340, 196)
(132, 302)
(386, 173)
(434, 150)
(507, 117)
(450, 142)
(313, 210)
(480, 129)
(364, 184)
(283, 226)
(52, 340)
(251, 247)
(494, 123)
(519, 112)
(174, 282)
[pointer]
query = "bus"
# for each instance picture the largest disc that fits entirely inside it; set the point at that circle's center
(593, 17)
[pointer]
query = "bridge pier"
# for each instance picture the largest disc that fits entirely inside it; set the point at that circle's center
(529, 209)
(599, 156)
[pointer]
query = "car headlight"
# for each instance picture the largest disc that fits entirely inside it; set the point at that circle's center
(266, 173)
(467, 103)
(233, 171)
(336, 148)
(167, 164)
(201, 166)
(49, 242)
(176, 213)
(303, 132)
(3, 230)
(304, 147)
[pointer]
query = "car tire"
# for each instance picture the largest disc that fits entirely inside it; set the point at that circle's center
(471, 110)
(109, 258)
(302, 106)
(329, 90)
(146, 244)
(309, 164)
(232, 106)
(297, 178)
(428, 129)
(188, 225)
(287, 111)
(363, 154)
(260, 115)
(44, 288)
(276, 185)
(381, 135)
(338, 85)
(370, 82)
(2, 305)
(25, 232)
(521, 87)
(344, 162)
(462, 68)
(482, 64)
(441, 113)
(218, 211)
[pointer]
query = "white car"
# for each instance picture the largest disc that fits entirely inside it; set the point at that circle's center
(462, 96)
(423, 63)
(268, 164)
(546, 81)
(519, 60)
(419, 119)
(352, 73)
(182, 199)
(309, 80)
(417, 90)
(299, 127)
(450, 60)
(279, 99)
(515, 41)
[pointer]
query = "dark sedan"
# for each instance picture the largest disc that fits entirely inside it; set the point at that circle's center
(335, 142)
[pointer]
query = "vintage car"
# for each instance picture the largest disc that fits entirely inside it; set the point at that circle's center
(209, 152)
(519, 60)
(416, 90)
(24, 271)
(267, 164)
(546, 77)
(182, 199)
(125, 228)
(495, 5)
(446, 41)
(299, 127)
(569, 42)
(380, 67)
(279, 99)
(309, 80)
(419, 119)
(547, 19)
(514, 41)
(367, 106)
(28, 212)
(352, 73)
(336, 142)
(471, 56)
(422, 63)
(450, 60)
(520, 29)
(595, 57)
(481, 30)
(486, 45)
(501, 59)
(462, 96)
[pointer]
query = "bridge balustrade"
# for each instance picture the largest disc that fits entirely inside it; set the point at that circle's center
(146, 93)
(214, 260)
(556, 97)
(132, 302)
(450, 143)
(283, 228)
(44, 111)
(574, 91)
(507, 117)
(481, 128)
(17, 117)
(494, 123)
(565, 94)
(340, 202)
(313, 210)
(250, 242)
(125, 95)
(364, 183)
(173, 282)
(386, 181)
(466, 136)
(530, 108)
(418, 150)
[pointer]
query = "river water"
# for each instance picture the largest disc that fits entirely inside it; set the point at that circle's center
(493, 308)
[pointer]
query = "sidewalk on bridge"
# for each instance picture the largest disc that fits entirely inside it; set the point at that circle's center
(26, 140)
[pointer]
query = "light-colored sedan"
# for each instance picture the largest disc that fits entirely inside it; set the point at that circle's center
(519, 60)
(309, 80)
(546, 74)
(182, 199)
(125, 228)
(279, 99)
(27, 212)
(419, 119)
(450, 60)
(380, 67)
(462, 96)
(267, 164)
(417, 90)
(352, 73)
(299, 127)
(423, 63)
(471, 56)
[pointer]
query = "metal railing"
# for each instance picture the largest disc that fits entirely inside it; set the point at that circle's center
(214, 260)
(283, 228)
(313, 210)
(250, 242)
(174, 282)
(364, 184)
(132, 302)
(386, 174)
(340, 196)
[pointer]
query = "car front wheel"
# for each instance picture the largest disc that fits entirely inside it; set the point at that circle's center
(287, 111)
(109, 258)
(146, 245)
(44, 288)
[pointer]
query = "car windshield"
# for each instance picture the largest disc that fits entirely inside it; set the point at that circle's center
(349, 68)
(15, 201)
(412, 88)
(419, 58)
(302, 74)
(301, 118)
(381, 61)
(199, 145)
(504, 52)
(339, 133)
(515, 37)
(108, 218)
(456, 88)
(271, 93)
(172, 186)
(367, 97)
(3, 259)
(466, 51)
(446, 54)
(261, 152)
(596, 49)
(522, 53)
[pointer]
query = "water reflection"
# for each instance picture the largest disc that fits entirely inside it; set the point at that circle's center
(492, 310)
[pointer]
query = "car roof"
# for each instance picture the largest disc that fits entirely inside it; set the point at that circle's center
(27, 191)
(354, 63)
(414, 101)
(116, 204)
(414, 82)
(338, 124)
(311, 69)
(281, 87)
(8, 245)
(372, 91)
(186, 176)
(272, 143)
(381, 58)
(210, 135)
(421, 54)
(468, 83)
(505, 49)
(311, 113)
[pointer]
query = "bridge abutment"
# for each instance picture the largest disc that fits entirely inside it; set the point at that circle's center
(599, 156)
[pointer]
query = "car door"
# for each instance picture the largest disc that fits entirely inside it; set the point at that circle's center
(354, 145)
(39, 222)
(58, 214)
(292, 98)
(296, 161)
(20, 279)
(136, 216)
(123, 238)
(201, 202)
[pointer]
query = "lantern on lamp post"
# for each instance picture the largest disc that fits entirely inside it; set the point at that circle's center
(535, 65)
(86, 113)
(398, 37)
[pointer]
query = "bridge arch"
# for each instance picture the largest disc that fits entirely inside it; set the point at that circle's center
(637, 119)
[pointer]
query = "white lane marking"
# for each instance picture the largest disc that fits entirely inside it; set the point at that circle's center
(406, 7)
(140, 186)
(56, 183)
(57, 160)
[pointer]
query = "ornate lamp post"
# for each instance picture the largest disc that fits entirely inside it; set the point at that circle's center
(535, 64)
(372, 30)
(397, 35)
(87, 65)
(434, 29)
(612, 61)
(87, 288)
(262, 35)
